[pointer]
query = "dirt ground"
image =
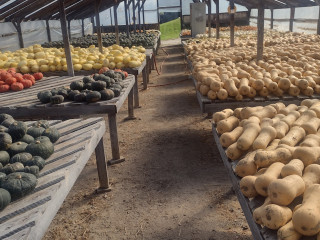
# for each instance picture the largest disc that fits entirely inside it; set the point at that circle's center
(172, 185)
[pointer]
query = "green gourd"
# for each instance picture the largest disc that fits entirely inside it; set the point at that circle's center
(4, 157)
(93, 96)
(26, 138)
(76, 85)
(2, 177)
(81, 97)
(41, 123)
(42, 148)
(5, 141)
(57, 99)
(36, 161)
(32, 169)
(17, 129)
(3, 129)
(106, 94)
(21, 157)
(11, 168)
(4, 116)
(17, 147)
(87, 79)
(44, 96)
(5, 198)
(35, 131)
(52, 133)
(19, 184)
(98, 85)
(72, 93)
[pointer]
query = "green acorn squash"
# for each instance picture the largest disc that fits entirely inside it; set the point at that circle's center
(57, 99)
(42, 148)
(4, 157)
(5, 141)
(106, 94)
(41, 123)
(17, 129)
(63, 92)
(7, 122)
(93, 96)
(5, 198)
(17, 147)
(36, 161)
(98, 85)
(19, 184)
(116, 91)
(81, 97)
(2, 177)
(3, 129)
(32, 169)
(4, 116)
(87, 79)
(76, 85)
(44, 96)
(35, 131)
(26, 138)
(72, 93)
(11, 168)
(52, 133)
(21, 157)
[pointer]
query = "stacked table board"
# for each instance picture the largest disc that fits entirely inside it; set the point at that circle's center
(29, 217)
(247, 205)
(25, 105)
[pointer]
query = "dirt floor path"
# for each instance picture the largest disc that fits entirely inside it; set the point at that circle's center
(172, 185)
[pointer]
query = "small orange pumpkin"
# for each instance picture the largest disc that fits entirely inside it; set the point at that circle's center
(16, 86)
(103, 69)
(4, 88)
(38, 76)
(26, 83)
(19, 77)
(10, 80)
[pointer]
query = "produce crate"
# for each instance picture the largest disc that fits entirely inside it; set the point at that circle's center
(29, 217)
(25, 105)
(247, 205)
(212, 106)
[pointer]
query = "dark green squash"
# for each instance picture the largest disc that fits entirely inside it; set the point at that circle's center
(44, 96)
(2, 177)
(33, 170)
(88, 86)
(4, 157)
(57, 99)
(4, 116)
(96, 76)
(26, 138)
(42, 138)
(117, 85)
(3, 129)
(72, 93)
(81, 97)
(87, 79)
(63, 92)
(19, 184)
(11, 168)
(98, 85)
(76, 85)
(54, 91)
(21, 157)
(106, 94)
(52, 133)
(41, 123)
(1, 166)
(5, 141)
(17, 147)
(36, 161)
(7, 122)
(116, 91)
(5, 198)
(17, 129)
(42, 148)
(35, 131)
(93, 96)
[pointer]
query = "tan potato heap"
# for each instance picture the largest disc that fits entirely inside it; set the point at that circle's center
(276, 150)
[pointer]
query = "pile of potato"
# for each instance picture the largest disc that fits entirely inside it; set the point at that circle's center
(276, 150)
(289, 67)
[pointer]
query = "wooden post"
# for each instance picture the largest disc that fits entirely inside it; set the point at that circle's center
(115, 8)
(111, 17)
(209, 17)
(92, 22)
(260, 30)
(102, 168)
(292, 10)
(17, 25)
(96, 8)
(139, 15)
(217, 19)
(318, 26)
(158, 14)
(126, 9)
(271, 24)
(181, 16)
(143, 17)
(134, 16)
(69, 28)
(48, 30)
(67, 50)
(82, 27)
(231, 23)
(129, 16)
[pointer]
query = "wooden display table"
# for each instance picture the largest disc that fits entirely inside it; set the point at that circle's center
(25, 105)
(247, 205)
(29, 217)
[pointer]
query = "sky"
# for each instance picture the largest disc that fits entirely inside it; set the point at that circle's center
(151, 13)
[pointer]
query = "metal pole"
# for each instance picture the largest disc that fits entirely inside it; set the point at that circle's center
(134, 16)
(292, 10)
(271, 24)
(217, 19)
(126, 13)
(48, 30)
(139, 15)
(97, 7)
(115, 8)
(231, 23)
(209, 17)
(143, 17)
(260, 30)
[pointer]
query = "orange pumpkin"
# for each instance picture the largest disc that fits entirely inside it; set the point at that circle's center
(19, 77)
(12, 70)
(103, 69)
(2, 82)
(16, 86)
(28, 77)
(10, 80)
(26, 83)
(4, 88)
(38, 76)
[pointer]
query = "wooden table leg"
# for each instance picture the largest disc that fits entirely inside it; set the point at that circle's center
(130, 106)
(102, 168)
(153, 67)
(136, 93)
(112, 117)
(145, 77)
